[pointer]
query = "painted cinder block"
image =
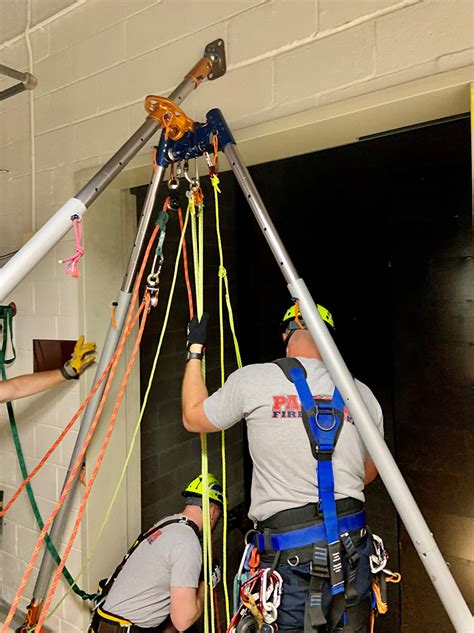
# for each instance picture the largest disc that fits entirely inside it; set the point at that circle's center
(154, 72)
(270, 27)
(46, 435)
(100, 51)
(74, 102)
(101, 134)
(15, 123)
(54, 72)
(325, 64)
(423, 32)
(335, 13)
(44, 484)
(90, 18)
(249, 84)
(47, 297)
(26, 542)
(55, 148)
(143, 35)
(42, 10)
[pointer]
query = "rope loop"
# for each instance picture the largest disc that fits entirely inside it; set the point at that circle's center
(215, 182)
(72, 263)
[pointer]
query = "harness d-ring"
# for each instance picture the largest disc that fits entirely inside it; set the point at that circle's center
(249, 533)
(293, 561)
(325, 428)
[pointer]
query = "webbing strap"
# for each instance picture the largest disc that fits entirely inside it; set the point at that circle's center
(311, 534)
(107, 585)
(325, 420)
(6, 320)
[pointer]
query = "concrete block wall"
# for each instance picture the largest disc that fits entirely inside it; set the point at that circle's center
(96, 60)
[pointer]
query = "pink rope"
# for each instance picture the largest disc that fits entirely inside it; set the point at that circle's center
(72, 263)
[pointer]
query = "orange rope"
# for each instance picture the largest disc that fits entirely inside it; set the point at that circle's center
(112, 316)
(215, 142)
(65, 492)
(95, 471)
(186, 267)
(79, 460)
(297, 313)
(63, 433)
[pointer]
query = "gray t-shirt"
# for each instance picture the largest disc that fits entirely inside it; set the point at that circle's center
(284, 469)
(171, 557)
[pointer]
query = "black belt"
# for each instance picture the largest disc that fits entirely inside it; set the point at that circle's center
(303, 515)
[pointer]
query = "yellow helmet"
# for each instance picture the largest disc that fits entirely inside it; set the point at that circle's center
(214, 486)
(291, 315)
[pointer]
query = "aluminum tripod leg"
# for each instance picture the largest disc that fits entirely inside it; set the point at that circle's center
(407, 508)
(213, 65)
(108, 350)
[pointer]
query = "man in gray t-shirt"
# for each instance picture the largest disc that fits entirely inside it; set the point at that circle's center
(157, 587)
(284, 468)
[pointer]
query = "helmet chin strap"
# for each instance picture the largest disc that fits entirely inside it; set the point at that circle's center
(287, 340)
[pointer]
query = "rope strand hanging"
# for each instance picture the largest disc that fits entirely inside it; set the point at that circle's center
(143, 407)
(78, 464)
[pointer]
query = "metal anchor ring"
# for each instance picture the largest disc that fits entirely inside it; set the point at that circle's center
(293, 561)
(153, 280)
(326, 428)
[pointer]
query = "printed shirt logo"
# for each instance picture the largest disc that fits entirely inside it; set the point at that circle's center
(290, 407)
(153, 536)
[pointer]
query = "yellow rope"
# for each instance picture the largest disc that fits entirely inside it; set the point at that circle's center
(137, 426)
(197, 226)
(223, 281)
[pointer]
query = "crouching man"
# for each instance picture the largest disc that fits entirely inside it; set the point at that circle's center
(157, 586)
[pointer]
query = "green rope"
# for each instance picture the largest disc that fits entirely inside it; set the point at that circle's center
(6, 318)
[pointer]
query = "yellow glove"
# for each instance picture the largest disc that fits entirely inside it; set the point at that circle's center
(81, 359)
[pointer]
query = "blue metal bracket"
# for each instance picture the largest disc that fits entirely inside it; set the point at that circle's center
(194, 144)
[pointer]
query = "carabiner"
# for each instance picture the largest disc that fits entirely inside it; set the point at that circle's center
(193, 182)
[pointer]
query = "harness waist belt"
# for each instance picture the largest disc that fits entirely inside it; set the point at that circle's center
(308, 535)
(114, 619)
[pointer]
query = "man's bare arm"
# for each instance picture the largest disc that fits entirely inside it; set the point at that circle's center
(194, 392)
(29, 384)
(371, 471)
(186, 606)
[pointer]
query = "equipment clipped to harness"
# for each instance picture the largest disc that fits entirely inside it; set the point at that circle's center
(335, 536)
(258, 596)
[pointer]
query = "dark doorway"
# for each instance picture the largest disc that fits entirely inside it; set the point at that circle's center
(381, 232)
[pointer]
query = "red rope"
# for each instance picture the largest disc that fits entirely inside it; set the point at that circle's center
(79, 460)
(186, 267)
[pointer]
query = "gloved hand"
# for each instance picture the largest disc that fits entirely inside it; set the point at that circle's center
(197, 330)
(80, 360)
(216, 574)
